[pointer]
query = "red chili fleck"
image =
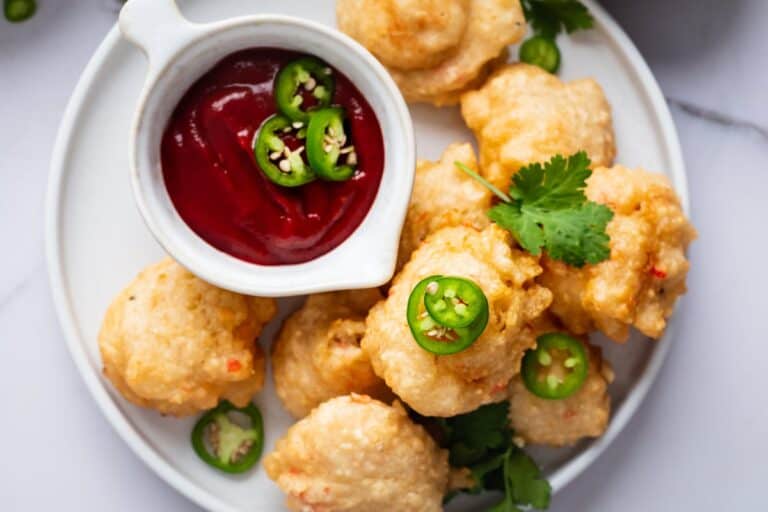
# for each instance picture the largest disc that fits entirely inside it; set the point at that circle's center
(499, 387)
(657, 272)
(233, 365)
(568, 414)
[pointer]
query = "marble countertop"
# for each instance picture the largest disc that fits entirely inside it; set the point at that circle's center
(697, 442)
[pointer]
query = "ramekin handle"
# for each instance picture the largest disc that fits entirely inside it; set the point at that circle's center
(158, 28)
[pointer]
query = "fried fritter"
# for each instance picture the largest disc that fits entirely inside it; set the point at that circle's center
(453, 384)
(523, 115)
(317, 354)
(177, 344)
(356, 454)
(491, 27)
(405, 34)
(639, 284)
(563, 422)
(443, 196)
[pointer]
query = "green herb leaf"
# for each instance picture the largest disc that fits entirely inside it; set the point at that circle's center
(550, 17)
(549, 210)
(482, 441)
(525, 480)
(474, 435)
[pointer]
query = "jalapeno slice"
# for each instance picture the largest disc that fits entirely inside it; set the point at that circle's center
(541, 51)
(234, 449)
(280, 164)
(309, 73)
(430, 333)
(556, 368)
(17, 11)
(454, 301)
(327, 144)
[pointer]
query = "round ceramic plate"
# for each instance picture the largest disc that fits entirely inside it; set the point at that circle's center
(97, 242)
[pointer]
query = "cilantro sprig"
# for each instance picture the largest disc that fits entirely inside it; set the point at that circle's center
(482, 441)
(546, 209)
(548, 18)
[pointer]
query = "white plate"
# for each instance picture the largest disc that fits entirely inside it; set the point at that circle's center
(96, 241)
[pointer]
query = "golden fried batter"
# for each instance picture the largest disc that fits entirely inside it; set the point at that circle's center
(523, 114)
(492, 26)
(405, 34)
(562, 422)
(356, 454)
(443, 196)
(177, 344)
(646, 272)
(453, 384)
(317, 354)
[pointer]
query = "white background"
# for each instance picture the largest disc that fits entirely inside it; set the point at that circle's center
(699, 442)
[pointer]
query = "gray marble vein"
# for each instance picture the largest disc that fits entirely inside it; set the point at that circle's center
(716, 117)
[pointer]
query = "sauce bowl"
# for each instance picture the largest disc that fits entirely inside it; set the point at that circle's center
(179, 52)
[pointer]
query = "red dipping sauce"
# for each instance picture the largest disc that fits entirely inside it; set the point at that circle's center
(221, 193)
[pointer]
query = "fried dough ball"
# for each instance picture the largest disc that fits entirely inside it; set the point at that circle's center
(177, 344)
(492, 26)
(405, 34)
(562, 422)
(317, 354)
(639, 284)
(443, 196)
(356, 454)
(523, 114)
(448, 385)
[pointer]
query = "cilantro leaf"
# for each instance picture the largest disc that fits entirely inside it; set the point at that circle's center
(525, 480)
(482, 441)
(549, 210)
(549, 17)
(473, 435)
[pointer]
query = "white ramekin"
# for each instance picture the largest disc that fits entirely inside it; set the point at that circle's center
(179, 52)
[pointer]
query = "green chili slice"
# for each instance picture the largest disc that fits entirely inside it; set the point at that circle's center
(309, 73)
(454, 301)
(17, 11)
(278, 162)
(541, 51)
(234, 449)
(327, 144)
(556, 368)
(435, 337)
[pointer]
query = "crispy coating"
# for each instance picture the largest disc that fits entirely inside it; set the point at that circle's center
(523, 114)
(453, 384)
(492, 26)
(405, 34)
(646, 272)
(563, 422)
(317, 354)
(356, 454)
(177, 344)
(443, 196)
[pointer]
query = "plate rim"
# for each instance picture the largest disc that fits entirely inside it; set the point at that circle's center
(175, 478)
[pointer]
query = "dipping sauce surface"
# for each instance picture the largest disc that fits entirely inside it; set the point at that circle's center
(221, 193)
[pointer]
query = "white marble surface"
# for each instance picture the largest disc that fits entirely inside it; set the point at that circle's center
(697, 443)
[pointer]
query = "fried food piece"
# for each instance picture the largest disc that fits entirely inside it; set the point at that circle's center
(176, 344)
(492, 26)
(562, 422)
(523, 114)
(317, 354)
(448, 385)
(356, 454)
(443, 196)
(646, 272)
(405, 34)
